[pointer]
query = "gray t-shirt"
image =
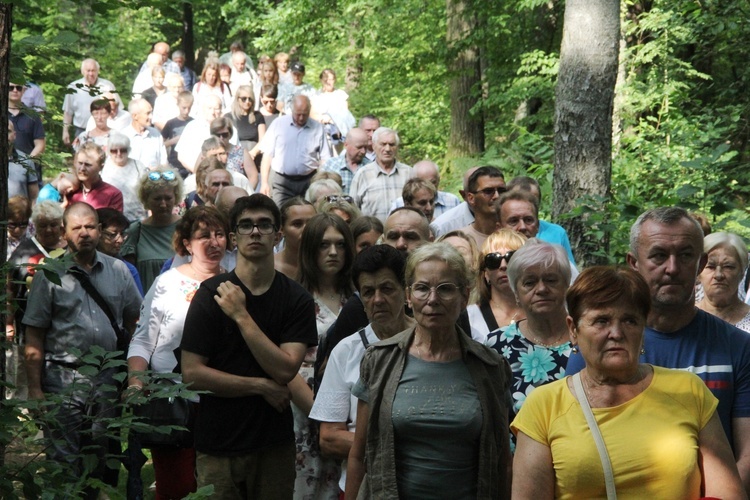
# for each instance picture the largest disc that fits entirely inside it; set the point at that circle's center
(437, 421)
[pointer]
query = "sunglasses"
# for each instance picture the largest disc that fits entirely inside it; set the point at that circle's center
(490, 192)
(245, 98)
(223, 135)
(17, 88)
(167, 175)
(117, 151)
(493, 260)
(332, 198)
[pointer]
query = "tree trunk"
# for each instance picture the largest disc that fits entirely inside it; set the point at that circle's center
(354, 56)
(583, 116)
(6, 21)
(188, 41)
(467, 128)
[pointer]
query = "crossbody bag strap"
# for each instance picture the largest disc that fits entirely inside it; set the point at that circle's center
(609, 478)
(364, 338)
(486, 309)
(89, 287)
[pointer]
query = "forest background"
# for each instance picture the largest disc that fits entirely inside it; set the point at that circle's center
(680, 115)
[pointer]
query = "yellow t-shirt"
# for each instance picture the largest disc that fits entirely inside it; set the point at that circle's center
(652, 439)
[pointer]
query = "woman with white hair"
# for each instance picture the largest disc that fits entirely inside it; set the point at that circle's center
(537, 346)
(727, 262)
(124, 173)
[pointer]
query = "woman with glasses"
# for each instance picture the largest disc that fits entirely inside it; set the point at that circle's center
(202, 233)
(113, 236)
(495, 303)
(326, 255)
(432, 419)
(537, 347)
(250, 125)
(149, 242)
(721, 278)
(123, 173)
(238, 158)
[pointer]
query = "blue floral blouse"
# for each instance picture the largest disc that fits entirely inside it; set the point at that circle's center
(532, 365)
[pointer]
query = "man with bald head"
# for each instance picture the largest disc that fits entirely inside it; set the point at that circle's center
(429, 171)
(163, 49)
(62, 320)
(146, 142)
(347, 164)
(294, 147)
(188, 148)
(76, 106)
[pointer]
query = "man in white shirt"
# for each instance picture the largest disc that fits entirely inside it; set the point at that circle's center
(146, 143)
(76, 111)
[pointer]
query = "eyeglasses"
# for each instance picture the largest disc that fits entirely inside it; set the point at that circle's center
(112, 235)
(17, 88)
(490, 192)
(332, 198)
(18, 225)
(445, 291)
(244, 98)
(167, 175)
(493, 260)
(247, 227)
(223, 135)
(117, 151)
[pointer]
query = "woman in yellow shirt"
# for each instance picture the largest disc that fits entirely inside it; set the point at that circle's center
(659, 427)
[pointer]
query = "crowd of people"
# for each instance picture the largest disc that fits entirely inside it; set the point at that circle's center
(350, 329)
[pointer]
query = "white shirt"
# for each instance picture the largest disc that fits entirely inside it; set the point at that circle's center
(78, 104)
(126, 179)
(146, 147)
(191, 142)
(455, 218)
(335, 402)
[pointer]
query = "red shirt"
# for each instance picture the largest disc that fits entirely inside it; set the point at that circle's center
(101, 195)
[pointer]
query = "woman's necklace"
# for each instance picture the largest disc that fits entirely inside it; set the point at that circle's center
(536, 339)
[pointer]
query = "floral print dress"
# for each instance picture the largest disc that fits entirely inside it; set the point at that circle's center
(532, 365)
(317, 477)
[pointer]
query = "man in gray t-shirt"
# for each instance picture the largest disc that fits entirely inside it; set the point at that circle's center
(63, 319)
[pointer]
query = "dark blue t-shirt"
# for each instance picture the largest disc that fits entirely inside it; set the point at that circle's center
(716, 351)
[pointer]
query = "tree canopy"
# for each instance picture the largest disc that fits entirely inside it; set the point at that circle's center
(680, 133)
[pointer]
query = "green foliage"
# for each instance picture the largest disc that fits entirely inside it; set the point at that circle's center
(681, 106)
(34, 476)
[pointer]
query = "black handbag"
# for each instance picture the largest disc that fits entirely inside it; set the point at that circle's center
(166, 407)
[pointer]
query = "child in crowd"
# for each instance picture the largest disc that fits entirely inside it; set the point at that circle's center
(59, 188)
(173, 129)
